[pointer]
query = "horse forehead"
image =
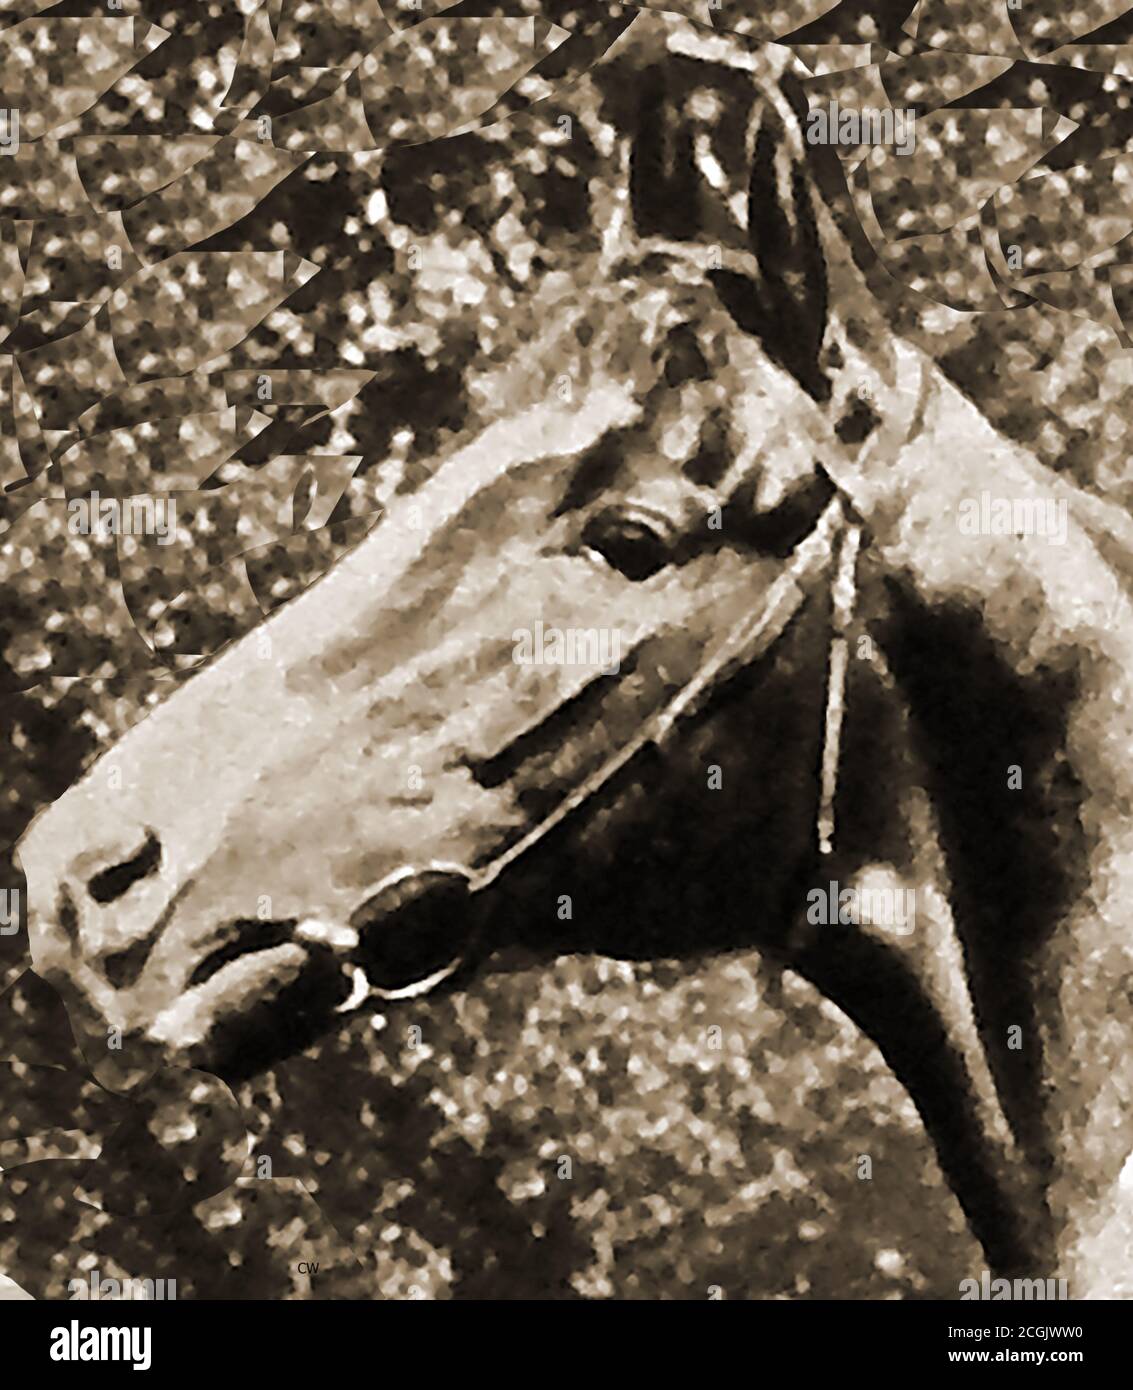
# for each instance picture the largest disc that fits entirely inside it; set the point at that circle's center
(749, 414)
(742, 404)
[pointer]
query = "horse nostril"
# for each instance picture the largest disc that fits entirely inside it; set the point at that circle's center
(108, 885)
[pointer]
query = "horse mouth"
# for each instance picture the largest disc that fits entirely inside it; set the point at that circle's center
(244, 937)
(266, 988)
(262, 995)
(409, 929)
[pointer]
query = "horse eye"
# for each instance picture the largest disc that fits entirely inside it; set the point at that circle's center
(628, 543)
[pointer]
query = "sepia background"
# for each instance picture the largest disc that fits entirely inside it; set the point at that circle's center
(376, 258)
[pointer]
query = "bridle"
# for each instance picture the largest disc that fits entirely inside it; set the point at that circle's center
(829, 552)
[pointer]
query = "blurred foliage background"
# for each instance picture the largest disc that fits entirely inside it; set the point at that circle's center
(375, 252)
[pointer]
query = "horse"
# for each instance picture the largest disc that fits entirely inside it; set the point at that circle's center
(382, 789)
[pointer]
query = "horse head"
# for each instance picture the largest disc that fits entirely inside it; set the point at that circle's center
(588, 687)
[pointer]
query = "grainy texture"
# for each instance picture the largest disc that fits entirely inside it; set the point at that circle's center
(271, 264)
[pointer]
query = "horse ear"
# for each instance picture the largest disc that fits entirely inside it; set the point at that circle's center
(663, 182)
(787, 306)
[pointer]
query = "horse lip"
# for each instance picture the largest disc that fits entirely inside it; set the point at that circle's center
(242, 937)
(195, 1025)
(372, 941)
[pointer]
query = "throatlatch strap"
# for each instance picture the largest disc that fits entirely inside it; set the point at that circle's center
(845, 590)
